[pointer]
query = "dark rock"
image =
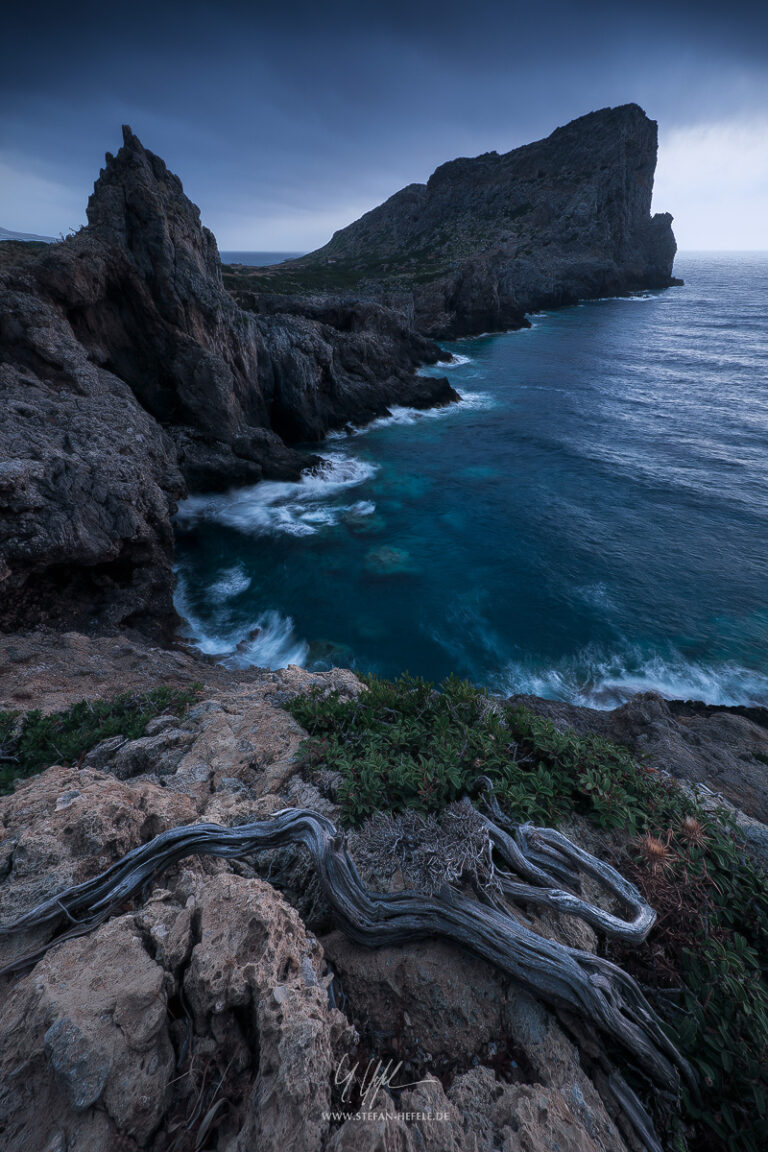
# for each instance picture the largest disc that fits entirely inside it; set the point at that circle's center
(487, 240)
(80, 1071)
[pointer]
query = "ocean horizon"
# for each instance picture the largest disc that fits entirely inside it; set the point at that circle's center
(257, 259)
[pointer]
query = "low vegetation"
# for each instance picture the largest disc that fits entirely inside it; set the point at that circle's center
(404, 745)
(31, 741)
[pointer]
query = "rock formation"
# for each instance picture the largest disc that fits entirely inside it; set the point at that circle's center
(487, 240)
(128, 374)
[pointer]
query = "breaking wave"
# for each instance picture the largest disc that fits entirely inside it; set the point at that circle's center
(399, 414)
(605, 681)
(297, 508)
(231, 582)
(270, 641)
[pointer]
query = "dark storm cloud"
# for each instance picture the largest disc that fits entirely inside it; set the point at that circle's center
(283, 119)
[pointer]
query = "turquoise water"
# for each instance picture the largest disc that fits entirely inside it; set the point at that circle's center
(590, 521)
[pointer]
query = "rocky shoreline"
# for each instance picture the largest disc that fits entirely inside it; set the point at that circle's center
(131, 374)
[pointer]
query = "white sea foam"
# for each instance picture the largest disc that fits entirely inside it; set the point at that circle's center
(401, 415)
(298, 508)
(606, 681)
(458, 360)
(231, 582)
(269, 642)
(640, 296)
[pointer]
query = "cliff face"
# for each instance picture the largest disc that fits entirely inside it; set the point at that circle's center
(128, 373)
(488, 239)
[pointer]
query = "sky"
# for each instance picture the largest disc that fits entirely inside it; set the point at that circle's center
(288, 120)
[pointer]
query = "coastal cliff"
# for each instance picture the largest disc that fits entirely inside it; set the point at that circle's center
(489, 239)
(129, 376)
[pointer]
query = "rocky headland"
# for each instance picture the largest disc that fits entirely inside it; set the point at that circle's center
(489, 239)
(129, 376)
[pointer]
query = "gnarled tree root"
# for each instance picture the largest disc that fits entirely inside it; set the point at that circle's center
(565, 978)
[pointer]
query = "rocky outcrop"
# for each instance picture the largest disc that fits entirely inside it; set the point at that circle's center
(129, 374)
(207, 1014)
(488, 239)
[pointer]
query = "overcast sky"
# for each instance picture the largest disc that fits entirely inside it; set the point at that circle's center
(288, 120)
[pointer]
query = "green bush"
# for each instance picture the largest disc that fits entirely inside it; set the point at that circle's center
(404, 745)
(32, 741)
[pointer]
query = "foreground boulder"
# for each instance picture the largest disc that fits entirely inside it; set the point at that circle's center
(212, 995)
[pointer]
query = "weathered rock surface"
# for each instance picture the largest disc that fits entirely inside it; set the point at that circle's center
(86, 1053)
(69, 823)
(209, 1007)
(128, 374)
(481, 1113)
(206, 1011)
(488, 239)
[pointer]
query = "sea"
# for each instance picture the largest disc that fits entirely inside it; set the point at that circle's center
(589, 522)
(257, 259)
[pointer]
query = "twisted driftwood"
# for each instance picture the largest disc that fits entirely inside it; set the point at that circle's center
(564, 978)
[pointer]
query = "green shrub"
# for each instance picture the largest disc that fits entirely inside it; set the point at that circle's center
(32, 741)
(401, 745)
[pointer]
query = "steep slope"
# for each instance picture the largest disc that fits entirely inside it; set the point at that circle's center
(488, 239)
(128, 373)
